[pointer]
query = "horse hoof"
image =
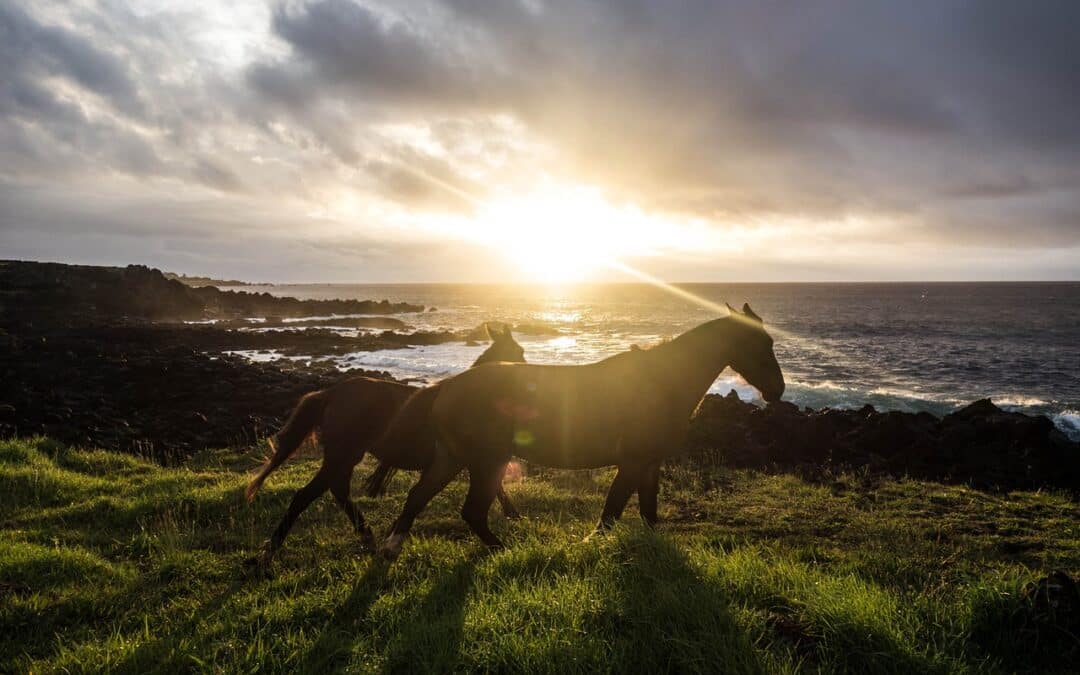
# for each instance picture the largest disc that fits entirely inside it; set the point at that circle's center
(388, 554)
(595, 535)
(367, 541)
(259, 564)
(391, 548)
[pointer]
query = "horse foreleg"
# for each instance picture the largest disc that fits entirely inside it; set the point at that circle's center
(648, 488)
(626, 481)
(340, 488)
(433, 479)
(484, 484)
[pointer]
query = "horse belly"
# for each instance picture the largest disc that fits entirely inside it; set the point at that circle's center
(581, 439)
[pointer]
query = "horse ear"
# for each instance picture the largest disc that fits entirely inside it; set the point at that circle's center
(750, 313)
(730, 308)
(506, 332)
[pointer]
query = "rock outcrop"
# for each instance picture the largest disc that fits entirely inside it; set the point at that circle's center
(979, 444)
(53, 292)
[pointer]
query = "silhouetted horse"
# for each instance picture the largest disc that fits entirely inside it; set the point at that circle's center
(631, 410)
(347, 418)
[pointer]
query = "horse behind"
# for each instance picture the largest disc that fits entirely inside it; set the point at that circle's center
(631, 410)
(347, 419)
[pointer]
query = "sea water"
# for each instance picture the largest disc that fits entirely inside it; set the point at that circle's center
(897, 346)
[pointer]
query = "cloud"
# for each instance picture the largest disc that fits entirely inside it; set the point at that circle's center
(950, 124)
(720, 108)
(30, 51)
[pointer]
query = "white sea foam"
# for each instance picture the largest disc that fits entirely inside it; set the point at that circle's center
(1020, 402)
(1069, 423)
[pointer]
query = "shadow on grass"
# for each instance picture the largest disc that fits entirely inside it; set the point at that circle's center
(1020, 636)
(663, 616)
(426, 636)
(431, 631)
(330, 651)
(163, 654)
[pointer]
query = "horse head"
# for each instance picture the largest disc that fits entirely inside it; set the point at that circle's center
(503, 347)
(753, 357)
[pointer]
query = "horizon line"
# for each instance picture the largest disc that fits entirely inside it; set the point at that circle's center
(596, 282)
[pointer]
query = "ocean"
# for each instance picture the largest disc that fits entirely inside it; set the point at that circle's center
(897, 346)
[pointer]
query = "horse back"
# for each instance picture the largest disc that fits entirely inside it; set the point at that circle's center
(566, 416)
(408, 439)
(359, 410)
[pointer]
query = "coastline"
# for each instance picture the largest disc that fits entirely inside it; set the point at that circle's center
(168, 389)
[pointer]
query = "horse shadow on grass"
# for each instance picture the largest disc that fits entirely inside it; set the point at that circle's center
(426, 637)
(431, 632)
(665, 616)
(330, 651)
(160, 654)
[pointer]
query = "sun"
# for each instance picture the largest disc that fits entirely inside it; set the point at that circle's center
(560, 234)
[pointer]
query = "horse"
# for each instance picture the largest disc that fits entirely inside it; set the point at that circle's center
(631, 410)
(347, 418)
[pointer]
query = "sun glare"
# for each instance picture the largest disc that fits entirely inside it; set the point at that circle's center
(554, 236)
(566, 234)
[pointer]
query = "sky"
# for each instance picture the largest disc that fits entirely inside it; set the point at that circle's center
(503, 140)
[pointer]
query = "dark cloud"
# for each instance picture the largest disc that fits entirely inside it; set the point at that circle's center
(732, 108)
(30, 51)
(957, 121)
(216, 176)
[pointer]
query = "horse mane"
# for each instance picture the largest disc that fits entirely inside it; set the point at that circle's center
(668, 340)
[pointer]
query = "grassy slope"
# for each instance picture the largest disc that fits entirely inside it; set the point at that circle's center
(111, 563)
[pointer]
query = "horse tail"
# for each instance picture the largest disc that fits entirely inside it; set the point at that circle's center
(303, 420)
(377, 482)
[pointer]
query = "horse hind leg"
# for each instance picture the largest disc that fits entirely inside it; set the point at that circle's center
(648, 490)
(626, 481)
(300, 501)
(484, 484)
(508, 508)
(432, 481)
(340, 488)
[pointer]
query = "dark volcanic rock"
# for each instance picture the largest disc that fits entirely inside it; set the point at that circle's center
(980, 444)
(82, 360)
(140, 390)
(314, 342)
(57, 293)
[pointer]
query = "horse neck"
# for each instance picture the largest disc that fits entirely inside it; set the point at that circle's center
(694, 360)
(485, 358)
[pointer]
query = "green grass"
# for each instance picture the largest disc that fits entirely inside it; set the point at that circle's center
(109, 563)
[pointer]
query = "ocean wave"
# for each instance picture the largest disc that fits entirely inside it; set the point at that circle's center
(1015, 401)
(1068, 422)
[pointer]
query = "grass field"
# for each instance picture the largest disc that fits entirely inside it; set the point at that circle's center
(110, 563)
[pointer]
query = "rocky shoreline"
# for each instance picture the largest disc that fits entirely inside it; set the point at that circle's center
(979, 445)
(105, 374)
(163, 392)
(46, 292)
(141, 390)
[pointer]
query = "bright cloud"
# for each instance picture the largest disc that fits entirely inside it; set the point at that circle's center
(438, 140)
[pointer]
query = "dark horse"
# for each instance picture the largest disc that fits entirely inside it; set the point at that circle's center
(348, 418)
(631, 410)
